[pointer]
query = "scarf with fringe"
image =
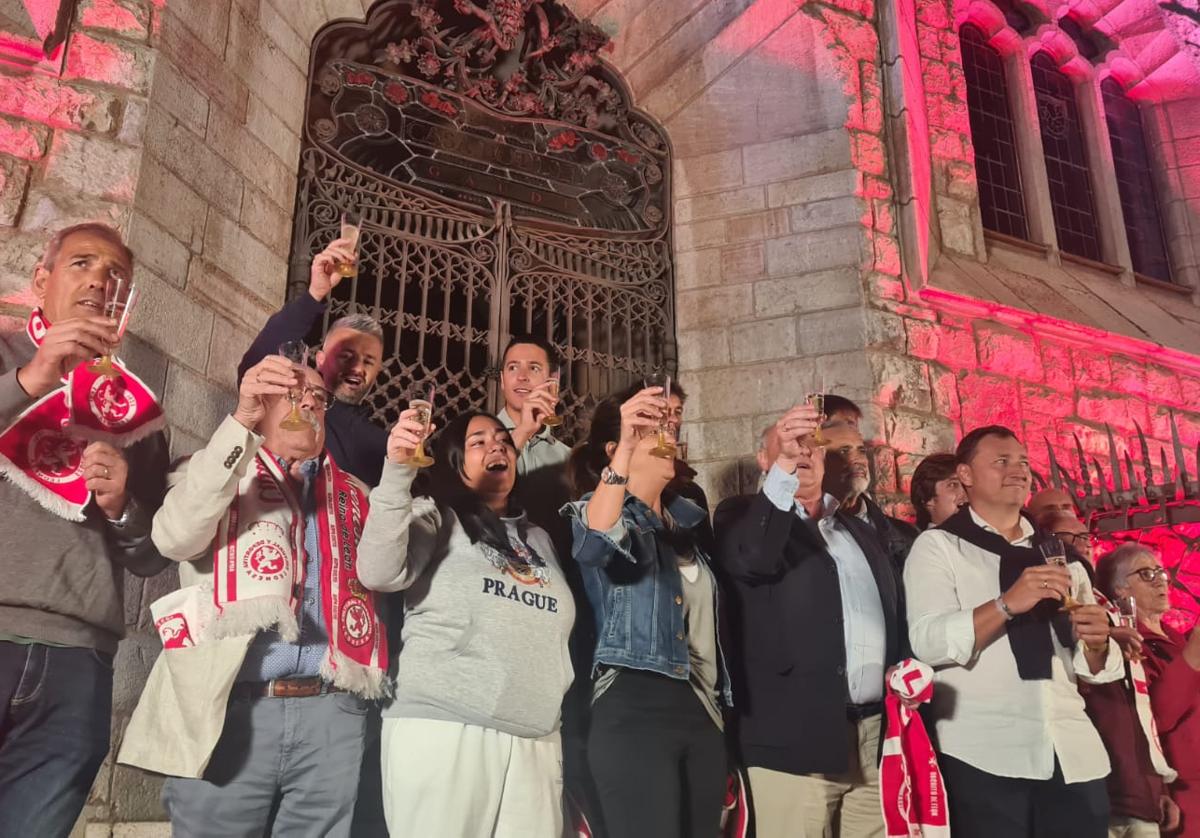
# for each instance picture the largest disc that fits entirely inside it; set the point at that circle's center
(42, 450)
(258, 572)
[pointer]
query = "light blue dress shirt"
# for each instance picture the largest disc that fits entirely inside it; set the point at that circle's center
(863, 626)
(269, 656)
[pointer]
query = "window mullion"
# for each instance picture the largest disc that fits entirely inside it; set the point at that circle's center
(1114, 241)
(1029, 147)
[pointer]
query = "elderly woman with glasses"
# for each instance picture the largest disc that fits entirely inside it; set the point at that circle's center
(1172, 662)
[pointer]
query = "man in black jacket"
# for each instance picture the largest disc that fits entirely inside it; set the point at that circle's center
(818, 620)
(349, 360)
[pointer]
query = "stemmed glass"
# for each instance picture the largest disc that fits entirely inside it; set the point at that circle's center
(295, 351)
(351, 229)
(120, 296)
(424, 409)
(553, 420)
(1127, 618)
(666, 443)
(1054, 552)
(817, 402)
(682, 445)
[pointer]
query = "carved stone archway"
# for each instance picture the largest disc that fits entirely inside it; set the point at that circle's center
(506, 185)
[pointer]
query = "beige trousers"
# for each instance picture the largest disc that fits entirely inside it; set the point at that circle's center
(824, 805)
(463, 781)
(1123, 827)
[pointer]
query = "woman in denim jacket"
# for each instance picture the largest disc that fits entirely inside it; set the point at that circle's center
(656, 746)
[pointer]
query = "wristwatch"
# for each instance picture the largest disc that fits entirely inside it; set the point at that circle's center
(612, 478)
(1003, 607)
(126, 516)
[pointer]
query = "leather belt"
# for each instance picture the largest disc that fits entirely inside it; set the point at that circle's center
(285, 688)
(858, 712)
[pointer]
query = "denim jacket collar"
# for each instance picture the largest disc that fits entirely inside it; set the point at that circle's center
(686, 514)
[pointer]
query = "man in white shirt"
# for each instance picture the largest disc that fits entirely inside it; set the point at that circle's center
(1019, 755)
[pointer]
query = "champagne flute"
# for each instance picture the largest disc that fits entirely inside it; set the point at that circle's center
(681, 446)
(1054, 552)
(1127, 618)
(424, 408)
(295, 351)
(351, 229)
(120, 296)
(553, 420)
(666, 443)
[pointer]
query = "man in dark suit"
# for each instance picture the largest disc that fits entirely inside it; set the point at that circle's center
(818, 620)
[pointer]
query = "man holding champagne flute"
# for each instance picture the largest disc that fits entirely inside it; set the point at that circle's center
(349, 360)
(985, 607)
(76, 515)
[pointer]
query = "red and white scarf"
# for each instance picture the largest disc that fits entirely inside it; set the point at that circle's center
(42, 450)
(1141, 701)
(910, 781)
(258, 575)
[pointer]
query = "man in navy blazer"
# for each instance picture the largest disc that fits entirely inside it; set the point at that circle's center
(818, 620)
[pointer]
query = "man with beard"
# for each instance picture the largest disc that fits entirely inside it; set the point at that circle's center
(848, 478)
(349, 360)
(818, 620)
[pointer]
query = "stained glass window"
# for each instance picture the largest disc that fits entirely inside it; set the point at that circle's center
(1001, 198)
(1139, 204)
(1066, 159)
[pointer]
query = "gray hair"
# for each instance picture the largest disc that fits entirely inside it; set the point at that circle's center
(97, 228)
(358, 322)
(763, 436)
(1113, 568)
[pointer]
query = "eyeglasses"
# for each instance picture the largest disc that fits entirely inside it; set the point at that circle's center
(1149, 575)
(1075, 539)
(321, 396)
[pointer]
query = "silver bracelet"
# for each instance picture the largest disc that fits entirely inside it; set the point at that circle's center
(126, 516)
(1002, 606)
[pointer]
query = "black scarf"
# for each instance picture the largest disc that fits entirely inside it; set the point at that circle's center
(1031, 643)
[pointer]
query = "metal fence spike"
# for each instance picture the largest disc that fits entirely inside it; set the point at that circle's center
(1114, 460)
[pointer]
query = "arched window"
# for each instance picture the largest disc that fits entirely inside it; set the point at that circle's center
(506, 185)
(1001, 198)
(1139, 204)
(1066, 160)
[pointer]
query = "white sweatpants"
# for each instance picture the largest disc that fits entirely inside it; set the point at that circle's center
(451, 779)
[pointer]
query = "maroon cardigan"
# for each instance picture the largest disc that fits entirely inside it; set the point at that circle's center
(1175, 697)
(1134, 786)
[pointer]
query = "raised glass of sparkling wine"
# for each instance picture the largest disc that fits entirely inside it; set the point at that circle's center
(351, 229)
(295, 351)
(817, 402)
(666, 440)
(553, 382)
(1127, 618)
(681, 446)
(1054, 552)
(120, 296)
(424, 409)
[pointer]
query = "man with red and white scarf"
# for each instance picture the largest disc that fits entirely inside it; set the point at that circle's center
(272, 649)
(82, 470)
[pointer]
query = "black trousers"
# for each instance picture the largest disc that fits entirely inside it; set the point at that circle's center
(657, 759)
(983, 805)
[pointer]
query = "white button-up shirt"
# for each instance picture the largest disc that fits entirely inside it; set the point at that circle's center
(986, 715)
(864, 629)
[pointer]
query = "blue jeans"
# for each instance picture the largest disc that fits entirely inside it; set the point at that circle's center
(286, 767)
(55, 717)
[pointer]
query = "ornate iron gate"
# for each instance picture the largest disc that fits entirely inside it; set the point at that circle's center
(506, 186)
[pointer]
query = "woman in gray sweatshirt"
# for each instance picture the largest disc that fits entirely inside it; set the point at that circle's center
(470, 741)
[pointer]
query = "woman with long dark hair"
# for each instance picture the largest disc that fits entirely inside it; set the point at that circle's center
(471, 739)
(656, 747)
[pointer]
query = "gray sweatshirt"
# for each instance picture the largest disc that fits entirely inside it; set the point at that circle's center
(484, 642)
(61, 582)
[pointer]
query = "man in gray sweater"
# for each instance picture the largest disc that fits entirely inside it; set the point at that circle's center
(61, 610)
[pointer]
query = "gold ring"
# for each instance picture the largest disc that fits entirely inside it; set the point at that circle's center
(106, 472)
(1045, 584)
